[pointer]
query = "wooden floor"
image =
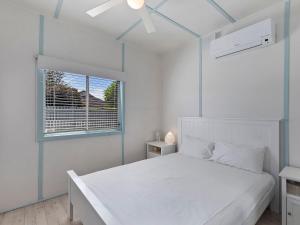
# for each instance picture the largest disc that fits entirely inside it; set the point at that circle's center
(54, 212)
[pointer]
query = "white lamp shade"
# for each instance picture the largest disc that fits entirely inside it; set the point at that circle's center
(136, 4)
(170, 139)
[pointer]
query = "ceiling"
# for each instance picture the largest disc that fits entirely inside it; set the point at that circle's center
(197, 15)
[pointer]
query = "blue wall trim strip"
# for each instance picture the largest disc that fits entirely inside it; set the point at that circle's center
(123, 105)
(200, 78)
(152, 10)
(159, 5)
(129, 29)
(58, 8)
(40, 171)
(123, 57)
(287, 14)
(40, 91)
(123, 121)
(40, 99)
(41, 35)
(39, 127)
(222, 11)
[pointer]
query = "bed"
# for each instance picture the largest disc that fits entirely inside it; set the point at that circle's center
(178, 189)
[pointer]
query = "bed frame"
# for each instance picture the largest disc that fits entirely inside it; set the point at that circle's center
(256, 133)
(92, 211)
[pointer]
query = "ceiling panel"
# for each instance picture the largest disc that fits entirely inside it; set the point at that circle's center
(154, 3)
(167, 37)
(112, 21)
(42, 6)
(197, 15)
(242, 8)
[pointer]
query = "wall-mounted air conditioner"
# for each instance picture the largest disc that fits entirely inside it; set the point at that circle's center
(259, 34)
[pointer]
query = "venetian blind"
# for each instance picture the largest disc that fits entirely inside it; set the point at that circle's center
(76, 102)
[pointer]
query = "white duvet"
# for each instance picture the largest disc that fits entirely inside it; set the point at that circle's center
(179, 190)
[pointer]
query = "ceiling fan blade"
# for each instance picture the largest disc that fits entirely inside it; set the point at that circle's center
(104, 7)
(148, 23)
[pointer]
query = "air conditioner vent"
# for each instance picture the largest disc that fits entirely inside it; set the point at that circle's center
(260, 34)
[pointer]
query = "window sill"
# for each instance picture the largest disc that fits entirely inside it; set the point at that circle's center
(77, 134)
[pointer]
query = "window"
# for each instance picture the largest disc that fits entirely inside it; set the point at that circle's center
(75, 104)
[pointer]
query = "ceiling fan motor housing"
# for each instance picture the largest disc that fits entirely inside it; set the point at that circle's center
(136, 4)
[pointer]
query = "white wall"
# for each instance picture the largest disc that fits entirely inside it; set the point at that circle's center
(180, 85)
(295, 85)
(244, 85)
(18, 148)
(248, 84)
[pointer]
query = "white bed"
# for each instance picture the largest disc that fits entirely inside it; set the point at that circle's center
(177, 189)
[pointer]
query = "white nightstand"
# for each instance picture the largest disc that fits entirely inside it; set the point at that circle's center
(290, 181)
(155, 149)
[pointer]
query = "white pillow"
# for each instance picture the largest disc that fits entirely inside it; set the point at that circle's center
(243, 157)
(197, 147)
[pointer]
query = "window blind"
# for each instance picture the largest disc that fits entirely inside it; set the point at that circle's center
(103, 111)
(74, 102)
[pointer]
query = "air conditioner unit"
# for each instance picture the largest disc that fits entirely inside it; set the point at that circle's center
(259, 34)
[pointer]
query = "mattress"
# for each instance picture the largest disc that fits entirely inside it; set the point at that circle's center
(181, 190)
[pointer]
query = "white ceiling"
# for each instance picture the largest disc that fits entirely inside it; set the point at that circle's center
(197, 15)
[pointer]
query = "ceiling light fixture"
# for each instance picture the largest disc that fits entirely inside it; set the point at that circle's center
(136, 4)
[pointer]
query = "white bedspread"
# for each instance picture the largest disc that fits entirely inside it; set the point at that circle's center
(178, 189)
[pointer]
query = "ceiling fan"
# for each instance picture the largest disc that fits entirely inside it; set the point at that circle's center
(138, 5)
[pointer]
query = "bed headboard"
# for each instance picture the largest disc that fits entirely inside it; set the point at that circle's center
(248, 132)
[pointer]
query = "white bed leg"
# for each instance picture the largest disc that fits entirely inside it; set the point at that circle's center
(70, 205)
(70, 211)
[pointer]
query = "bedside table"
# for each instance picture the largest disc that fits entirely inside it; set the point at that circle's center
(290, 187)
(155, 149)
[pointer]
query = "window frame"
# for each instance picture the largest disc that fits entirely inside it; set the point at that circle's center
(41, 136)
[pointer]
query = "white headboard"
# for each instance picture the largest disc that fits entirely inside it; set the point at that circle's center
(236, 131)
